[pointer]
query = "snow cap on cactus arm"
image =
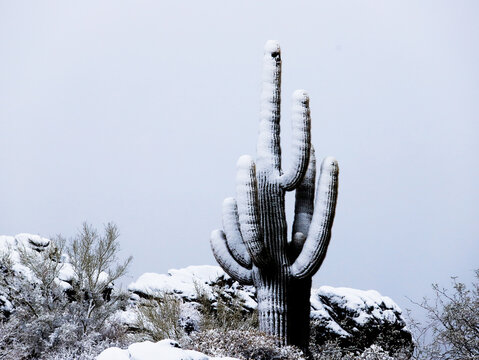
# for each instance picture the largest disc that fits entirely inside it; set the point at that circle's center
(248, 212)
(319, 234)
(272, 46)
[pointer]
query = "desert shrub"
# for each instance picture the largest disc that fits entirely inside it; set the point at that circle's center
(452, 329)
(375, 352)
(159, 317)
(226, 312)
(53, 319)
(241, 344)
(165, 315)
(332, 350)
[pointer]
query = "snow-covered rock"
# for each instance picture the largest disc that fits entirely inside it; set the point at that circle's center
(357, 318)
(161, 350)
(188, 282)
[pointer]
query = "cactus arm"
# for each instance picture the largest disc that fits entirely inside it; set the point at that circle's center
(248, 212)
(319, 234)
(301, 141)
(226, 260)
(268, 148)
(304, 206)
(234, 239)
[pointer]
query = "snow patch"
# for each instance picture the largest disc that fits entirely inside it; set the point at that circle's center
(147, 350)
(183, 282)
(35, 241)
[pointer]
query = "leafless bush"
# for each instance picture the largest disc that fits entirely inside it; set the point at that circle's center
(160, 316)
(453, 323)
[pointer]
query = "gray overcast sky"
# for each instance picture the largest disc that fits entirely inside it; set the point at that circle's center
(136, 112)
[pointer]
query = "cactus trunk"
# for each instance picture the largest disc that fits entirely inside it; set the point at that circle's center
(254, 247)
(271, 294)
(283, 306)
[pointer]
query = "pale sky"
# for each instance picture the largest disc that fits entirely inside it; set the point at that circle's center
(136, 112)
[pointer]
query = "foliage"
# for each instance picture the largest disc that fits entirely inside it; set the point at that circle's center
(226, 312)
(334, 351)
(166, 316)
(241, 344)
(159, 317)
(54, 319)
(452, 325)
(254, 345)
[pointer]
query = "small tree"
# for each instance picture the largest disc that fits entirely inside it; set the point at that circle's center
(453, 323)
(95, 263)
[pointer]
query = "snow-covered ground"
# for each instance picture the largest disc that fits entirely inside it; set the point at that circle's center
(162, 350)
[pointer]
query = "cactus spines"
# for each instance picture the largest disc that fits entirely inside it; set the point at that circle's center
(254, 247)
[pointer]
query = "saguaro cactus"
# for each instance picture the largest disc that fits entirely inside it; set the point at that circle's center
(253, 247)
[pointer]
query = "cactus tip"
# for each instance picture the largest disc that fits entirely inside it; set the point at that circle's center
(245, 161)
(329, 163)
(301, 96)
(272, 47)
(229, 201)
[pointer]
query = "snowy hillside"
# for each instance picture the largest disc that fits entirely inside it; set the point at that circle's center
(342, 314)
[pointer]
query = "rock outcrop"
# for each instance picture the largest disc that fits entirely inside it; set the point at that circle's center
(354, 318)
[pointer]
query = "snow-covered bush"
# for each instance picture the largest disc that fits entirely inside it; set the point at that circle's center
(241, 344)
(57, 299)
(452, 329)
(166, 316)
(160, 317)
(186, 300)
(332, 350)
(226, 312)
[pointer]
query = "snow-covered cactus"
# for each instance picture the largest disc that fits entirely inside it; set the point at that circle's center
(253, 247)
